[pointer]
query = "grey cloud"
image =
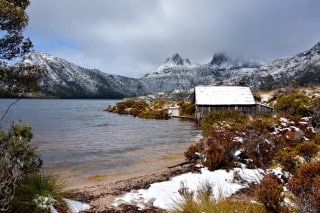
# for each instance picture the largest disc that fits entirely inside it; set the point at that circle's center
(133, 37)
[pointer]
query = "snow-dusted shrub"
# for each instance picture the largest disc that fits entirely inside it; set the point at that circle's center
(222, 118)
(307, 150)
(220, 149)
(269, 193)
(287, 158)
(258, 148)
(306, 186)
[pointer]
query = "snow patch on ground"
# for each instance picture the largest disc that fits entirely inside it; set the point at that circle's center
(76, 206)
(163, 194)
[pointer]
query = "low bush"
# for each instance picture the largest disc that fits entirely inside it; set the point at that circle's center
(294, 104)
(263, 124)
(186, 108)
(317, 138)
(18, 158)
(232, 117)
(287, 158)
(141, 109)
(258, 148)
(315, 110)
(39, 193)
(159, 104)
(220, 147)
(154, 114)
(269, 193)
(306, 187)
(307, 150)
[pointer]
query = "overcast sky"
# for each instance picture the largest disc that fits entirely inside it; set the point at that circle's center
(133, 37)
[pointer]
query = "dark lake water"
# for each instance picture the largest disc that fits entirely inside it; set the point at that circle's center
(79, 136)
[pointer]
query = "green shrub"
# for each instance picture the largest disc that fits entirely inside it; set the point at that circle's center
(307, 150)
(232, 117)
(18, 158)
(186, 108)
(263, 124)
(159, 103)
(154, 114)
(317, 138)
(315, 110)
(39, 193)
(287, 158)
(269, 193)
(121, 107)
(294, 104)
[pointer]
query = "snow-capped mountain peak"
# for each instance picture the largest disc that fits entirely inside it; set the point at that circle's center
(176, 61)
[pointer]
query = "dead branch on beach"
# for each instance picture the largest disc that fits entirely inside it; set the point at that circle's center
(182, 164)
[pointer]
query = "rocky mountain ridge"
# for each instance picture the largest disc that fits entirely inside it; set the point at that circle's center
(66, 80)
(182, 74)
(303, 68)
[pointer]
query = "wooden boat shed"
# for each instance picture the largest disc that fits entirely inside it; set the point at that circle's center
(213, 98)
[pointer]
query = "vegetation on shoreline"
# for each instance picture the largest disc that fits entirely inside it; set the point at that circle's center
(22, 188)
(157, 109)
(290, 140)
(186, 108)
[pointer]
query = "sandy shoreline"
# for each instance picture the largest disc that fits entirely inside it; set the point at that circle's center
(101, 196)
(99, 190)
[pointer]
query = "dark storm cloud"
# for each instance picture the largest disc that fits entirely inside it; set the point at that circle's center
(133, 37)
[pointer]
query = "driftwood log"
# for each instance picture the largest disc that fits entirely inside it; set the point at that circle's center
(183, 163)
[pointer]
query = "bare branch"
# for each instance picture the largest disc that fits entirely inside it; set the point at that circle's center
(8, 108)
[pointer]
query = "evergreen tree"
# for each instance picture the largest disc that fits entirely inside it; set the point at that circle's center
(13, 20)
(18, 157)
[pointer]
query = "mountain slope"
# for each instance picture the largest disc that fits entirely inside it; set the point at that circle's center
(67, 80)
(303, 68)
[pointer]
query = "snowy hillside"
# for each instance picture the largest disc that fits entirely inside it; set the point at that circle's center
(67, 80)
(303, 68)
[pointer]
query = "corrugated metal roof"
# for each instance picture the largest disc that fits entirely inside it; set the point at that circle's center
(223, 95)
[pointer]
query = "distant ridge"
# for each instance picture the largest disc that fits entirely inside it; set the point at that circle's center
(67, 80)
(303, 68)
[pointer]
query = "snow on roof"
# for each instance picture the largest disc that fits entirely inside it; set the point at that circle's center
(223, 95)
